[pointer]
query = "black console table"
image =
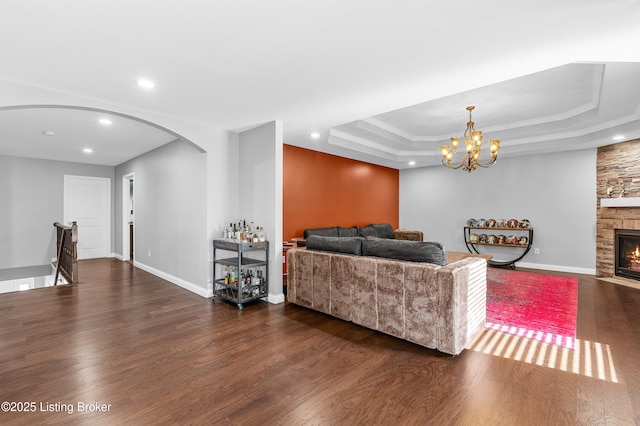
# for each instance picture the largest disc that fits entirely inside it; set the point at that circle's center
(521, 238)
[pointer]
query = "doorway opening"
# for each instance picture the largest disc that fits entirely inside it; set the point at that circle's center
(128, 217)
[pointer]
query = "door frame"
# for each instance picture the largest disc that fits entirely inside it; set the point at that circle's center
(126, 182)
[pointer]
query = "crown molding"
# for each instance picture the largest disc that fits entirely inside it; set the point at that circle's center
(349, 141)
(386, 130)
(358, 143)
(381, 128)
(574, 133)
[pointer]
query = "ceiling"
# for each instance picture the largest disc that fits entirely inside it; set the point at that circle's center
(381, 81)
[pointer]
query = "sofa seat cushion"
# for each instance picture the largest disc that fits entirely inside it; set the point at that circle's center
(413, 251)
(346, 245)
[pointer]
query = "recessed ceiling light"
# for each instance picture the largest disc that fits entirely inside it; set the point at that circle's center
(87, 150)
(105, 121)
(315, 135)
(147, 84)
(618, 137)
(49, 133)
(412, 163)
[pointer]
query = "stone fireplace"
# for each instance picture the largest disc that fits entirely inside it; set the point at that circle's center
(617, 168)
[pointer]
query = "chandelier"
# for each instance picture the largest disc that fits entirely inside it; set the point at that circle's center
(472, 140)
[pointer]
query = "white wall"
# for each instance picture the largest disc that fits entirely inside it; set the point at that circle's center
(31, 200)
(556, 192)
(260, 180)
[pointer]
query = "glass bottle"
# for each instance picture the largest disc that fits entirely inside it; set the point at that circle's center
(226, 275)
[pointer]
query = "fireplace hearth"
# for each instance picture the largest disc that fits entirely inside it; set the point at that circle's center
(627, 253)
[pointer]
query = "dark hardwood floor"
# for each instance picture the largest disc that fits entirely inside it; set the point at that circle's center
(149, 352)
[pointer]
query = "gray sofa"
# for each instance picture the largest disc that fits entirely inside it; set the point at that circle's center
(439, 307)
(380, 230)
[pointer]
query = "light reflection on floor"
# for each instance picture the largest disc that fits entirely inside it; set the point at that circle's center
(590, 359)
(551, 338)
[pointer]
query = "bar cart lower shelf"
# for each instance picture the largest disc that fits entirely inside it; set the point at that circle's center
(238, 278)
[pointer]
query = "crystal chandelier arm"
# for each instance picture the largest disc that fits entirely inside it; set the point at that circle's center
(449, 154)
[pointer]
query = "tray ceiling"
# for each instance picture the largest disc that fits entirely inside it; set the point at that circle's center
(383, 82)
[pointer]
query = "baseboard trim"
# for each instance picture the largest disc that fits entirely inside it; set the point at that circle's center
(558, 268)
(175, 280)
(276, 298)
(206, 293)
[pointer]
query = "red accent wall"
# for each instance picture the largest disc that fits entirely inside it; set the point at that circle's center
(326, 190)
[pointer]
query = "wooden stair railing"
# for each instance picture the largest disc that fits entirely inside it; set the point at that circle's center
(66, 247)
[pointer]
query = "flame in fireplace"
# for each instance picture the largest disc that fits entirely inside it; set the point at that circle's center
(637, 251)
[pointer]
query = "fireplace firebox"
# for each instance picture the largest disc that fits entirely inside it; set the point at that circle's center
(627, 253)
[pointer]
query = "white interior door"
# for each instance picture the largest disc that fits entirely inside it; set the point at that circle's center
(87, 201)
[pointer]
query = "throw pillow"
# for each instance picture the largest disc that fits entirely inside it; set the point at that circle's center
(346, 245)
(413, 251)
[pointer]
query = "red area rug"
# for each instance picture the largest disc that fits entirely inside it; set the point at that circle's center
(535, 306)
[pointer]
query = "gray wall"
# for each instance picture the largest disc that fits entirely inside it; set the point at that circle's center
(170, 186)
(556, 192)
(31, 200)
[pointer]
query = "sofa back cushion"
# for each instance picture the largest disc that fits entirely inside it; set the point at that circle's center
(331, 231)
(347, 245)
(413, 251)
(383, 230)
(380, 230)
(348, 232)
(366, 231)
